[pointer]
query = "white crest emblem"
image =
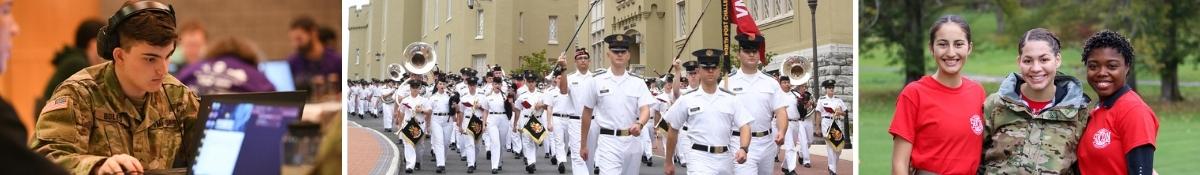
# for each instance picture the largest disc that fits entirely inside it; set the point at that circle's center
(1102, 138)
(976, 124)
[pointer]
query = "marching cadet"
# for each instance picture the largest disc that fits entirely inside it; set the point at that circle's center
(460, 89)
(414, 107)
(493, 103)
(526, 111)
(88, 126)
(441, 107)
(659, 106)
(686, 86)
(471, 108)
(387, 102)
(376, 107)
(762, 99)
(832, 111)
(574, 110)
(620, 101)
(716, 111)
(559, 109)
(352, 93)
(795, 143)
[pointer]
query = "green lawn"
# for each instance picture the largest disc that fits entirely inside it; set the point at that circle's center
(1178, 144)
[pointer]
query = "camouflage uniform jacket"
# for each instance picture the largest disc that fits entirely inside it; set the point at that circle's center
(1020, 142)
(89, 119)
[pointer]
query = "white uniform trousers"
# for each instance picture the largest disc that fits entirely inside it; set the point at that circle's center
(618, 154)
(498, 132)
(714, 164)
(466, 145)
(760, 159)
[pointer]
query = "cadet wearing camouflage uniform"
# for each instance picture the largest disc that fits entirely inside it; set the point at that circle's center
(1019, 142)
(95, 123)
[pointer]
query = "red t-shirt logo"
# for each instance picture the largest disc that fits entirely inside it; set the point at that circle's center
(1101, 138)
(976, 124)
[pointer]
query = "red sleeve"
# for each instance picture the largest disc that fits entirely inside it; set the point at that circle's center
(1138, 127)
(904, 119)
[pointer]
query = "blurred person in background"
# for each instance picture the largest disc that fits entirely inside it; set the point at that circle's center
(312, 57)
(193, 44)
(72, 59)
(232, 68)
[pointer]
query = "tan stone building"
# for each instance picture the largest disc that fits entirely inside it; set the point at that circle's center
(487, 32)
(464, 33)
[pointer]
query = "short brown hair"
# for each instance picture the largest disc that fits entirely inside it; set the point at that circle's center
(157, 29)
(306, 23)
(193, 26)
(235, 47)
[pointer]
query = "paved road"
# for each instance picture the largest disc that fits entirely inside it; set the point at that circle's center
(369, 153)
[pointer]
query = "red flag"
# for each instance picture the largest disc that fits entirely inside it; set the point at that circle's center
(745, 25)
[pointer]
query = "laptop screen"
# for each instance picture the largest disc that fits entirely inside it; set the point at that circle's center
(242, 134)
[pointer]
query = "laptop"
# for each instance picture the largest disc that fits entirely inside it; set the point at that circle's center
(238, 134)
(279, 73)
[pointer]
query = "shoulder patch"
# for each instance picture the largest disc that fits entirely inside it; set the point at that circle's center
(725, 90)
(56, 104)
(691, 90)
(599, 71)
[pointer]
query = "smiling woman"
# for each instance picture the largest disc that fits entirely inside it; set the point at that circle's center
(937, 126)
(1037, 114)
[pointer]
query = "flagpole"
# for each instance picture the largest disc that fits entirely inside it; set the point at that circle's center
(725, 36)
(689, 36)
(558, 69)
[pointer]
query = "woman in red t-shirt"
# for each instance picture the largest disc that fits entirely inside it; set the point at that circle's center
(938, 126)
(1119, 138)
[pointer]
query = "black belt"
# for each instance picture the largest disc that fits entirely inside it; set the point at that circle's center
(794, 120)
(495, 113)
(566, 115)
(753, 134)
(685, 128)
(441, 114)
(607, 131)
(710, 149)
(828, 117)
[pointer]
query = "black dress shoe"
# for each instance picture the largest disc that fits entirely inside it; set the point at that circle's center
(547, 155)
(807, 165)
(387, 130)
(562, 168)
(519, 156)
(418, 165)
(441, 169)
(489, 155)
(530, 169)
(471, 169)
(408, 170)
(495, 171)
(554, 161)
(596, 171)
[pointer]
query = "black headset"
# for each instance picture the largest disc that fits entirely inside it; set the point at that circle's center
(108, 38)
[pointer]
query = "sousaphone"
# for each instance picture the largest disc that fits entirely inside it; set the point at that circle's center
(420, 58)
(395, 72)
(798, 69)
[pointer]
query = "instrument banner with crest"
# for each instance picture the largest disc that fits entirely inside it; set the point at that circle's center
(836, 137)
(535, 130)
(412, 131)
(475, 128)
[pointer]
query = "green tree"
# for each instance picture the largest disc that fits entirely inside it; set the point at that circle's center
(536, 62)
(1163, 34)
(895, 28)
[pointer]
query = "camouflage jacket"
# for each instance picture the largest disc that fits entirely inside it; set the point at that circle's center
(1019, 142)
(89, 119)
